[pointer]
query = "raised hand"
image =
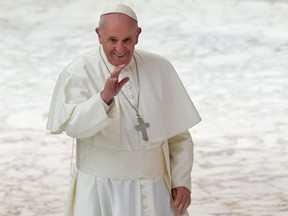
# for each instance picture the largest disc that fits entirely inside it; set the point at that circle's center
(113, 85)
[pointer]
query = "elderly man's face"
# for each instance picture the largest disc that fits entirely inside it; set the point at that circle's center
(118, 34)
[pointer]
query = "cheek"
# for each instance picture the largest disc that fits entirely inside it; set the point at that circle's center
(108, 48)
(107, 51)
(131, 45)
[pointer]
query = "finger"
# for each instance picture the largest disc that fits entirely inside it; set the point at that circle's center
(117, 71)
(180, 209)
(178, 199)
(184, 207)
(123, 82)
(185, 200)
(174, 193)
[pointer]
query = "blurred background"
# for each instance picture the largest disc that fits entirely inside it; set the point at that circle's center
(232, 56)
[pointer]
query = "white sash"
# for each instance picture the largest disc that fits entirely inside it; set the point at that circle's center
(128, 165)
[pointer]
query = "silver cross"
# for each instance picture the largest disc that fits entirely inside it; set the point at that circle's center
(142, 127)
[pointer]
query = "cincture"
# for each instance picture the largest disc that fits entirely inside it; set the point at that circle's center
(130, 165)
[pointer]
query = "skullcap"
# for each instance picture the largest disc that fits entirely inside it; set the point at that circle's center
(120, 8)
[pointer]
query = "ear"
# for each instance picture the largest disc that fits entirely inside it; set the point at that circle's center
(139, 30)
(98, 32)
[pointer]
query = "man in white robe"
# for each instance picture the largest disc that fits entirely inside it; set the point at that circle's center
(130, 115)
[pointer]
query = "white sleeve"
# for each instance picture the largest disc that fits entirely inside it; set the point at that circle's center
(73, 109)
(88, 118)
(181, 159)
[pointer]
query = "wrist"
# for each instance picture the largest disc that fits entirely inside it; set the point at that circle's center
(106, 99)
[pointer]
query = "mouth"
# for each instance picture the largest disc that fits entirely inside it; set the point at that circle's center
(120, 55)
(121, 58)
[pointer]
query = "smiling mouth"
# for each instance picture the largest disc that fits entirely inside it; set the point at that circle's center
(120, 56)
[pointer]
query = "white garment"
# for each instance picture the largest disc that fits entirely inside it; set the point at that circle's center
(95, 196)
(78, 109)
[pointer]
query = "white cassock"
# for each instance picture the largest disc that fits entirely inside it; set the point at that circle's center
(119, 173)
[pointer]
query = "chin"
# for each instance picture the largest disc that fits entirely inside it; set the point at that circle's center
(119, 62)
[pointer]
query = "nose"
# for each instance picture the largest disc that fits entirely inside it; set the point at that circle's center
(120, 47)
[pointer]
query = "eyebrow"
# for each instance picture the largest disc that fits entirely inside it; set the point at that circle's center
(110, 37)
(127, 38)
(114, 38)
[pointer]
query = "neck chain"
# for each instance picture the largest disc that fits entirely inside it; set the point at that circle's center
(142, 125)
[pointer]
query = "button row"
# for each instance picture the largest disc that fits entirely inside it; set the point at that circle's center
(143, 197)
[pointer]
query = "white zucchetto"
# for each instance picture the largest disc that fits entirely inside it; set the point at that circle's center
(120, 8)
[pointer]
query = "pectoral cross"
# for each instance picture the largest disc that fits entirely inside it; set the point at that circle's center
(142, 127)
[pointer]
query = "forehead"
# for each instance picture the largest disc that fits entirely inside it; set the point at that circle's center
(118, 24)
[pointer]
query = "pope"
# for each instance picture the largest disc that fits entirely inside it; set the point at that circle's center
(130, 115)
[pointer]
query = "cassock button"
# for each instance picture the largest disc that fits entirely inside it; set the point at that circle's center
(143, 196)
(142, 186)
(144, 206)
(131, 97)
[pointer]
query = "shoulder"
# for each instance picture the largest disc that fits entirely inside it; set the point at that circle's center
(151, 57)
(79, 64)
(154, 64)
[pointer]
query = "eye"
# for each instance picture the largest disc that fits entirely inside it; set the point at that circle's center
(112, 40)
(127, 40)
